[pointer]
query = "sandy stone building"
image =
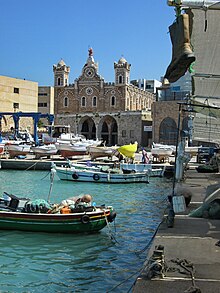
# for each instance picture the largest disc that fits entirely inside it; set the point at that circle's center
(17, 95)
(118, 112)
(45, 101)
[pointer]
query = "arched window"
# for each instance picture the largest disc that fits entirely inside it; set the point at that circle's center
(66, 102)
(120, 79)
(94, 101)
(168, 131)
(83, 101)
(58, 81)
(112, 101)
(137, 103)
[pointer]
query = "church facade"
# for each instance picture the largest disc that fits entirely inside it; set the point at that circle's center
(116, 112)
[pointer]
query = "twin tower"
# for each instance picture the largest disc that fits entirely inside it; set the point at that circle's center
(90, 69)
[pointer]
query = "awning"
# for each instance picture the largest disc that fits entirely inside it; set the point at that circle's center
(205, 40)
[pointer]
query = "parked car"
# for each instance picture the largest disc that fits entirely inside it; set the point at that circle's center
(205, 154)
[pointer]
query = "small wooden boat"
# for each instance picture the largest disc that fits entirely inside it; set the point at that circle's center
(98, 151)
(67, 150)
(103, 176)
(23, 214)
(18, 149)
(44, 150)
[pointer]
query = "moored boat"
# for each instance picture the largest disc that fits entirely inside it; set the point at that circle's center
(18, 149)
(44, 150)
(98, 151)
(151, 170)
(38, 216)
(67, 150)
(104, 176)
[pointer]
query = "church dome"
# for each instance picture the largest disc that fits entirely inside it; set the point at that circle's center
(122, 60)
(61, 63)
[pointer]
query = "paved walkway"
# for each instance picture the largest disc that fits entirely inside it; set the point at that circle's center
(188, 252)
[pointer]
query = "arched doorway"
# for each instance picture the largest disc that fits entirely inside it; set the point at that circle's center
(88, 128)
(168, 131)
(109, 130)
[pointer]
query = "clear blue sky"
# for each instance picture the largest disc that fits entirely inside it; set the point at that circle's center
(35, 34)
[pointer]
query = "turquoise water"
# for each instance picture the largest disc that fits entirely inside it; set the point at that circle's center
(42, 262)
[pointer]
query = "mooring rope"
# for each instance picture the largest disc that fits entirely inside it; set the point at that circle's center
(112, 237)
(31, 166)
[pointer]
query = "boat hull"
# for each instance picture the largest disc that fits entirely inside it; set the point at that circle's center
(68, 151)
(148, 168)
(99, 177)
(69, 154)
(57, 223)
(98, 152)
(18, 150)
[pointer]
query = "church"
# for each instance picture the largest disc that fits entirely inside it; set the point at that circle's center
(117, 112)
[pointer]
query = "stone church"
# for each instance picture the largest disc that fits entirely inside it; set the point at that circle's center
(116, 112)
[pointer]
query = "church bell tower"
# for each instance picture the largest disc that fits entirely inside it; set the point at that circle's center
(122, 72)
(61, 74)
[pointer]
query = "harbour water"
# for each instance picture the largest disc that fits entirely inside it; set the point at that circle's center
(43, 262)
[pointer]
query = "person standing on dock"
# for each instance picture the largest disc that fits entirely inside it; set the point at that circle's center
(145, 158)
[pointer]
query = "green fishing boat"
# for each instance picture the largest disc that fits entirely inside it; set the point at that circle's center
(41, 216)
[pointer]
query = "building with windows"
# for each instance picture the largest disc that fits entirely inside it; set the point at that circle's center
(165, 111)
(116, 112)
(17, 95)
(149, 85)
(45, 101)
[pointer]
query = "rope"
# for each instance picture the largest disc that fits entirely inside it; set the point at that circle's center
(138, 271)
(189, 269)
(31, 166)
(112, 237)
(155, 232)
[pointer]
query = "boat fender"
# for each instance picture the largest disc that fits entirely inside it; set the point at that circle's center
(75, 176)
(112, 216)
(85, 219)
(96, 177)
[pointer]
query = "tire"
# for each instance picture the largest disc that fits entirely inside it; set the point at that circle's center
(75, 176)
(96, 177)
(85, 219)
(112, 216)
